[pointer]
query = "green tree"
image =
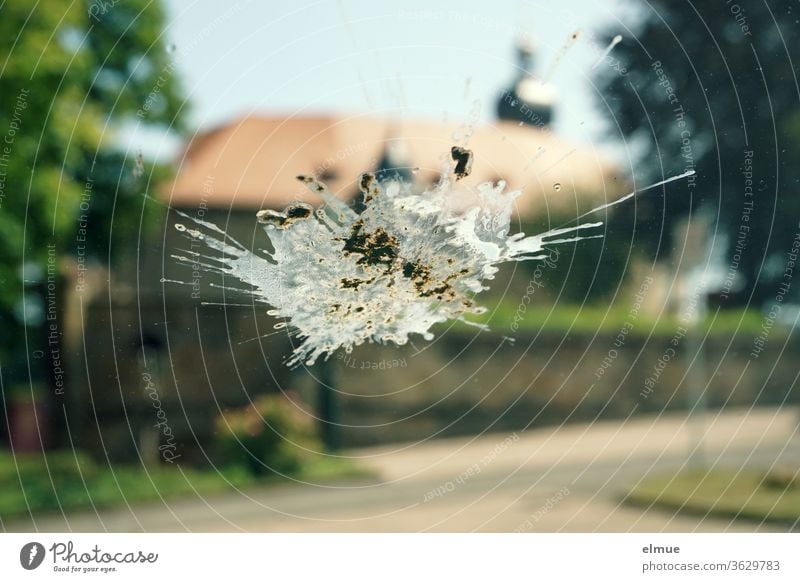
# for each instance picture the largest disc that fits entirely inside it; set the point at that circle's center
(74, 75)
(704, 84)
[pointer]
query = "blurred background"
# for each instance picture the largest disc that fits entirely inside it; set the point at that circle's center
(644, 381)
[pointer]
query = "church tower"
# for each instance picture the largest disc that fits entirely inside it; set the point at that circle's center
(529, 100)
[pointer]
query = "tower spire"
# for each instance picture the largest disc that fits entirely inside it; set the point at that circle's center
(529, 99)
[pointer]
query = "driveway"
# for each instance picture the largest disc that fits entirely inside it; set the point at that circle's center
(568, 478)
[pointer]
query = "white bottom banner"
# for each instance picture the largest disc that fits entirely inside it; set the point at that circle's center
(371, 557)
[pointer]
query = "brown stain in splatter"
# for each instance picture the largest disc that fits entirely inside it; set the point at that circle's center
(376, 248)
(313, 184)
(426, 285)
(292, 213)
(354, 282)
(368, 184)
(463, 159)
(298, 211)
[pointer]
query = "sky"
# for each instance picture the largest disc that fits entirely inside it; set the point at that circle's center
(415, 58)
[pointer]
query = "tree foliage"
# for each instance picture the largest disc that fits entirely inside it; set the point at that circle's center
(713, 86)
(74, 76)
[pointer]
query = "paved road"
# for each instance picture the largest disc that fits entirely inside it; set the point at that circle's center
(562, 479)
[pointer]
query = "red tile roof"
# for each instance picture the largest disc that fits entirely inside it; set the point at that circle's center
(253, 161)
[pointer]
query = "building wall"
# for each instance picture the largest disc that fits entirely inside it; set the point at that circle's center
(465, 383)
(201, 359)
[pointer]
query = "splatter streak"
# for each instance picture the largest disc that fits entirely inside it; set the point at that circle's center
(614, 42)
(571, 40)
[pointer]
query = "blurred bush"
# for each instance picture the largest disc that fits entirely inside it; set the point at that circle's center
(783, 477)
(271, 435)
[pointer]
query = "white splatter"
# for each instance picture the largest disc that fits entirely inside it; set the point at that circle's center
(339, 278)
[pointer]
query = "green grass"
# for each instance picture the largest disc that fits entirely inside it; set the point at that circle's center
(746, 495)
(71, 481)
(608, 320)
